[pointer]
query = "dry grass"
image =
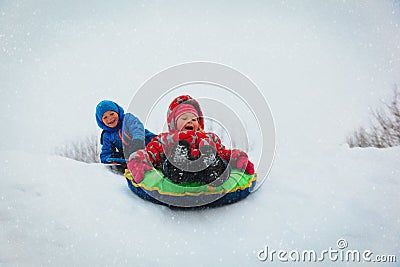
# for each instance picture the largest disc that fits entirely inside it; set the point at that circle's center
(86, 149)
(384, 131)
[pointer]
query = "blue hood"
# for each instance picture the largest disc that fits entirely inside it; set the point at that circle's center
(104, 106)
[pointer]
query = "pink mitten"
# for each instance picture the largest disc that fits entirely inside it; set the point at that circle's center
(243, 163)
(137, 168)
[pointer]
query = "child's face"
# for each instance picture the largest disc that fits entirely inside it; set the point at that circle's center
(110, 118)
(187, 121)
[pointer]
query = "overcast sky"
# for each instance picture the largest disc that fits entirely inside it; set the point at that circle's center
(320, 64)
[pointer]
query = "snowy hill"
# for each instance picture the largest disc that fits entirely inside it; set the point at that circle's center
(60, 212)
(322, 66)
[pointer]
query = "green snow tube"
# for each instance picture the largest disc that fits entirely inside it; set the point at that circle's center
(159, 189)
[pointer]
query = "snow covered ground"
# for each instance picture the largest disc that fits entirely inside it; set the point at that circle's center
(321, 66)
(60, 212)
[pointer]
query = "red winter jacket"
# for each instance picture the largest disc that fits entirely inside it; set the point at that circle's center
(157, 150)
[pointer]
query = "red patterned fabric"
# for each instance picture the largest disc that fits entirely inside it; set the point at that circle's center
(184, 108)
(138, 168)
(183, 99)
(160, 147)
(243, 163)
(163, 143)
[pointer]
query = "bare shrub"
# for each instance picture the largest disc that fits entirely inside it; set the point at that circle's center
(385, 132)
(86, 149)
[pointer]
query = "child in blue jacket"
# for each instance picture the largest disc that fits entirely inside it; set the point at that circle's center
(122, 133)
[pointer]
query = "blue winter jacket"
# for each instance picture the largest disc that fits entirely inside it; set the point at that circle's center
(119, 142)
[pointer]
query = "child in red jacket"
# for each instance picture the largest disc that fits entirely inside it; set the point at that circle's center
(187, 153)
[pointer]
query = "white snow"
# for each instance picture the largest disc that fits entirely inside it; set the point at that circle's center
(321, 66)
(60, 212)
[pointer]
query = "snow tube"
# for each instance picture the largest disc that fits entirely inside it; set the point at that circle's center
(159, 189)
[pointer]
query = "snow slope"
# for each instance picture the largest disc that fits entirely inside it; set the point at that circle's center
(59, 212)
(322, 66)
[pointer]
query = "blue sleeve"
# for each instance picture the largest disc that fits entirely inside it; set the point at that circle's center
(133, 134)
(132, 128)
(116, 160)
(106, 149)
(149, 136)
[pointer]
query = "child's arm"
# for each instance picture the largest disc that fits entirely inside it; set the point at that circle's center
(155, 150)
(223, 152)
(237, 158)
(145, 159)
(152, 154)
(133, 134)
(148, 136)
(107, 150)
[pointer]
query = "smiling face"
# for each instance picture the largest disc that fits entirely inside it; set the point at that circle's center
(187, 121)
(110, 118)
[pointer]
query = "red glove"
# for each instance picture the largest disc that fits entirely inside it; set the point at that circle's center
(243, 163)
(236, 154)
(137, 168)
